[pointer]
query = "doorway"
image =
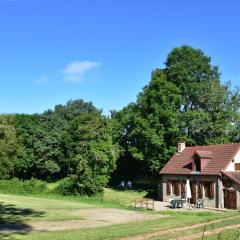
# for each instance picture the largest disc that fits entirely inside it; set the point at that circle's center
(230, 199)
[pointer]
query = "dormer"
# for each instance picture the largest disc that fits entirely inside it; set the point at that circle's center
(201, 160)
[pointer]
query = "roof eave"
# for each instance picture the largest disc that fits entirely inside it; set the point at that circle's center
(191, 173)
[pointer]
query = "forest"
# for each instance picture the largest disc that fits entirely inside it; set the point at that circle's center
(184, 101)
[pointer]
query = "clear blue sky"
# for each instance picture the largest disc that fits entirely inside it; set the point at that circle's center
(104, 50)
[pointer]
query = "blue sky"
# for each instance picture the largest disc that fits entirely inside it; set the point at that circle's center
(103, 50)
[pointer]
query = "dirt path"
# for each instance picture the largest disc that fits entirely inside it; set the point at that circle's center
(91, 218)
(162, 232)
(94, 218)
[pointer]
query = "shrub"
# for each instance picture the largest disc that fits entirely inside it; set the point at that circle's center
(66, 186)
(73, 186)
(16, 186)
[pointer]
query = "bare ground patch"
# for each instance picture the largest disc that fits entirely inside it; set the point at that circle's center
(93, 218)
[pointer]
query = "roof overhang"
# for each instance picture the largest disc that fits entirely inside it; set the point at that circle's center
(192, 173)
(231, 176)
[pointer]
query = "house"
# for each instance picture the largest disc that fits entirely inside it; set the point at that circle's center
(213, 171)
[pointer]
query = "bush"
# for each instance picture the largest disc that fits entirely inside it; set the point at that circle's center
(16, 186)
(73, 186)
(66, 186)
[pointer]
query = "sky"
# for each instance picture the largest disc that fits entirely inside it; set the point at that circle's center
(104, 51)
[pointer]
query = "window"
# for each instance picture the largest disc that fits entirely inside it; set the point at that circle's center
(169, 187)
(209, 189)
(200, 190)
(237, 166)
(197, 162)
(183, 187)
(176, 187)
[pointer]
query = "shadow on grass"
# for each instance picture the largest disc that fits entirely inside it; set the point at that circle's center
(12, 220)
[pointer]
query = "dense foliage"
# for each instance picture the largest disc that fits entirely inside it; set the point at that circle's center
(184, 101)
(72, 140)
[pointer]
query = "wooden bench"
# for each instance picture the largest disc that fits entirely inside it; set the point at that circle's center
(147, 203)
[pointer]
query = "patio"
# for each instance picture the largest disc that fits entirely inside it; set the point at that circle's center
(163, 206)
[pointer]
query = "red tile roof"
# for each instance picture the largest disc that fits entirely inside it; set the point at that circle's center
(222, 154)
(204, 154)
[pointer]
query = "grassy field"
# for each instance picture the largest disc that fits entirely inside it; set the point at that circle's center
(25, 211)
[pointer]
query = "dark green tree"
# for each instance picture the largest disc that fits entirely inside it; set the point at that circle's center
(26, 126)
(10, 149)
(150, 127)
(95, 152)
(208, 107)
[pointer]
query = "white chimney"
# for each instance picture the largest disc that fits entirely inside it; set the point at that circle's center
(181, 146)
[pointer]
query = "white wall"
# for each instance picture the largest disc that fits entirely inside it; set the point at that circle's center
(231, 167)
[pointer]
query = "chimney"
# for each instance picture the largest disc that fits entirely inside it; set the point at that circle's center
(181, 146)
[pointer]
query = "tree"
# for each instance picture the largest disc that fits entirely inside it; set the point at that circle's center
(208, 107)
(95, 152)
(26, 126)
(150, 127)
(10, 149)
(51, 147)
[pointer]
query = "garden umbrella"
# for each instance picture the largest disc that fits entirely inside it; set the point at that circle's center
(188, 191)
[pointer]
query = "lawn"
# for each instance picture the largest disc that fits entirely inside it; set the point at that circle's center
(28, 212)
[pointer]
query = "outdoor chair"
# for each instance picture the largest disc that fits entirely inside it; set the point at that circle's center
(173, 203)
(176, 203)
(200, 203)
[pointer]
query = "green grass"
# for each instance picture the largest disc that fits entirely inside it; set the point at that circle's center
(126, 197)
(233, 234)
(41, 208)
(24, 209)
(56, 207)
(177, 219)
(207, 227)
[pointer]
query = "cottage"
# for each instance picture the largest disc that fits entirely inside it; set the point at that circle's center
(213, 171)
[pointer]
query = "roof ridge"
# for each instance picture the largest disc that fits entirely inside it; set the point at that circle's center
(211, 145)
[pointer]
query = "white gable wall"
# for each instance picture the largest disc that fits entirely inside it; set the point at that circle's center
(231, 166)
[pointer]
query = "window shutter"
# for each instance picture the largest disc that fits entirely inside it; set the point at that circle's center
(211, 193)
(168, 188)
(200, 190)
(183, 190)
(177, 188)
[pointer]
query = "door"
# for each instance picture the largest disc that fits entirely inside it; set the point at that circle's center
(193, 191)
(230, 199)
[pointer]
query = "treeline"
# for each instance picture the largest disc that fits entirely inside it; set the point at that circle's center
(72, 140)
(183, 101)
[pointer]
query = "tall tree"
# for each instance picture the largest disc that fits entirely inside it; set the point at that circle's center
(208, 107)
(26, 126)
(95, 152)
(10, 149)
(150, 127)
